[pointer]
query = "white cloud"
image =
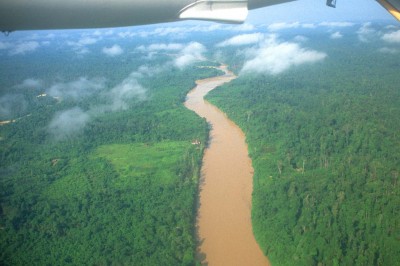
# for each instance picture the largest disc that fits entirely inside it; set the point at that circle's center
(87, 41)
(241, 27)
(191, 53)
(30, 83)
(146, 71)
(126, 34)
(128, 89)
(165, 47)
(80, 46)
(339, 24)
(300, 38)
(177, 31)
(103, 33)
(290, 25)
(108, 33)
(392, 37)
(50, 36)
(12, 105)
(34, 36)
(336, 35)
(15, 103)
(120, 95)
(5, 45)
(309, 25)
(77, 89)
(24, 47)
(67, 123)
(97, 33)
(274, 57)
(112, 51)
(162, 31)
(391, 27)
(366, 33)
(154, 49)
(161, 47)
(243, 39)
(180, 32)
(82, 50)
(283, 25)
(387, 50)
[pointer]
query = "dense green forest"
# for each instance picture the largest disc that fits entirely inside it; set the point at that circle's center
(97, 165)
(325, 144)
(98, 176)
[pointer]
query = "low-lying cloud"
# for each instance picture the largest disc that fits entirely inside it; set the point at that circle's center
(300, 38)
(190, 54)
(243, 39)
(366, 33)
(392, 37)
(290, 25)
(126, 34)
(336, 24)
(181, 32)
(113, 51)
(182, 55)
(274, 27)
(76, 89)
(125, 91)
(80, 46)
(12, 105)
(336, 35)
(30, 83)
(161, 47)
(19, 48)
(5, 45)
(388, 50)
(283, 25)
(24, 47)
(103, 33)
(274, 57)
(66, 124)
(85, 41)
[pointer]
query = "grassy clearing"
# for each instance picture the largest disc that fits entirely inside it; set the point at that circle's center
(140, 160)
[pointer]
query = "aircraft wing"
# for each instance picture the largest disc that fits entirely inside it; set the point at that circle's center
(74, 14)
(393, 6)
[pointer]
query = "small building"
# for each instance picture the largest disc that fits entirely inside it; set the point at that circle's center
(196, 142)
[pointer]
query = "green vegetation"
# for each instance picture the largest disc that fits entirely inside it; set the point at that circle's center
(103, 177)
(325, 147)
(121, 190)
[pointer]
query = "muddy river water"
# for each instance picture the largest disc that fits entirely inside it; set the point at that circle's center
(224, 215)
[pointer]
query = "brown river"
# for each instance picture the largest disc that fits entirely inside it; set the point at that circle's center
(224, 215)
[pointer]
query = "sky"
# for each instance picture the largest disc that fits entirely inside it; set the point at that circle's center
(317, 11)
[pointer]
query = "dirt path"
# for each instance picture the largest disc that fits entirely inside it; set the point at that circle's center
(224, 216)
